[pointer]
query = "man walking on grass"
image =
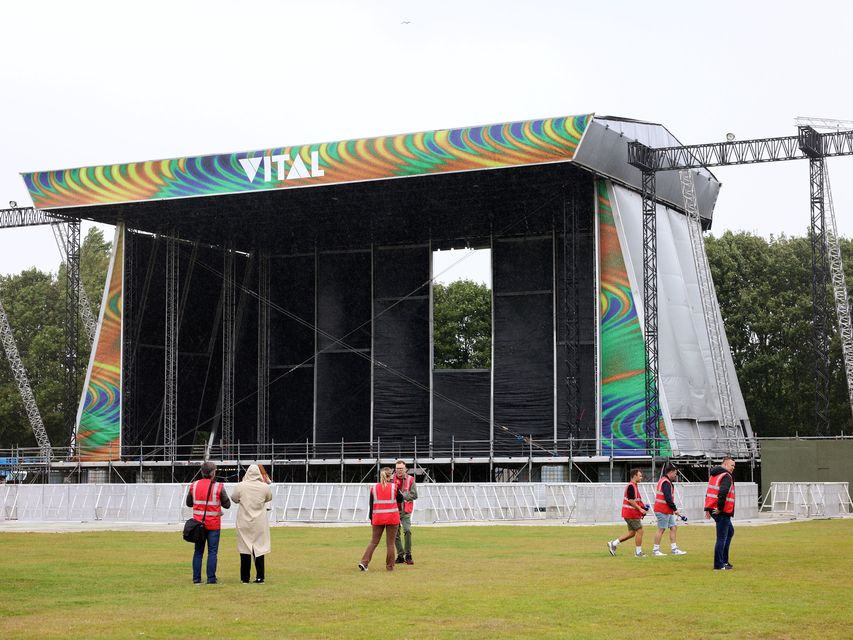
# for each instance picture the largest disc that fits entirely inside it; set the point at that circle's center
(666, 512)
(633, 511)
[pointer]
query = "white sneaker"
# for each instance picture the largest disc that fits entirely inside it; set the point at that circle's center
(640, 555)
(678, 552)
(611, 547)
(658, 553)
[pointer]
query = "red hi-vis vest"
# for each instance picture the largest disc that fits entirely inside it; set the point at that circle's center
(713, 493)
(629, 510)
(210, 510)
(405, 485)
(660, 502)
(385, 510)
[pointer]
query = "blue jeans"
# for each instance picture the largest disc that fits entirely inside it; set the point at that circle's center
(725, 533)
(212, 539)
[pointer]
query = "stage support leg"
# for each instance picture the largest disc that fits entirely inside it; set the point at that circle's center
(820, 305)
(72, 329)
(228, 316)
(170, 391)
(650, 311)
(263, 432)
(570, 310)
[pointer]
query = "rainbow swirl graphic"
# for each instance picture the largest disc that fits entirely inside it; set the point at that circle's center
(99, 427)
(623, 395)
(447, 150)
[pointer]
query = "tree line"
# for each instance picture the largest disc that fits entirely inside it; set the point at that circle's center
(35, 305)
(764, 288)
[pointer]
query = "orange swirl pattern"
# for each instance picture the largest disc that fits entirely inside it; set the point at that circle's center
(99, 429)
(447, 150)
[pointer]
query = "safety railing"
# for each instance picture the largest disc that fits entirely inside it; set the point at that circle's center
(13, 461)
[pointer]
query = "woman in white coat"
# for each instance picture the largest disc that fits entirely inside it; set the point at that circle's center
(253, 526)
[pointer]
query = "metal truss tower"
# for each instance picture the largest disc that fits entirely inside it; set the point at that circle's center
(811, 144)
(807, 144)
(90, 323)
(20, 374)
(263, 432)
(228, 317)
(839, 289)
(170, 391)
(72, 328)
(570, 310)
(650, 312)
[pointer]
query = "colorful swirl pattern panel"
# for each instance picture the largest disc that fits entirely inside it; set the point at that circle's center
(623, 394)
(99, 424)
(443, 151)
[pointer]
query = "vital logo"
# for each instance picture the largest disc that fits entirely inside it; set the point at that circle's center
(294, 171)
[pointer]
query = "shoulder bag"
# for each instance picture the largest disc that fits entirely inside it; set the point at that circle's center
(194, 530)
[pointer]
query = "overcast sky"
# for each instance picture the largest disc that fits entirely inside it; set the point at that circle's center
(90, 83)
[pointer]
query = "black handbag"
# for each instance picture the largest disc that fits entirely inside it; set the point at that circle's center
(194, 530)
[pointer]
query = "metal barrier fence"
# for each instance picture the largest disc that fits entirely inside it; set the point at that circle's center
(582, 503)
(808, 499)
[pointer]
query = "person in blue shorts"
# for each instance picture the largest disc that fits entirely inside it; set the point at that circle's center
(666, 511)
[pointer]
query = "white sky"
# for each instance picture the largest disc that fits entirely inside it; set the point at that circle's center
(90, 83)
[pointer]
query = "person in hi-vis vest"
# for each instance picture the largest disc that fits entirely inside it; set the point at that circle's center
(406, 485)
(720, 505)
(633, 511)
(384, 515)
(208, 498)
(666, 511)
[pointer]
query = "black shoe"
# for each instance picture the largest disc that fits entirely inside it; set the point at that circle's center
(259, 580)
(728, 566)
(400, 559)
(214, 581)
(409, 559)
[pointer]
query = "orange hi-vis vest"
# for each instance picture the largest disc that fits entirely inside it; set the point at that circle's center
(210, 510)
(405, 485)
(385, 510)
(660, 502)
(713, 493)
(629, 510)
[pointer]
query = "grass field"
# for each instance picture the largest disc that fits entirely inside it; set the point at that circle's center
(790, 581)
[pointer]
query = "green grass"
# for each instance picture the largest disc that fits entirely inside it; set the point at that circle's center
(790, 581)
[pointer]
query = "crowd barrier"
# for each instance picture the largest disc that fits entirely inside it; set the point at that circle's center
(808, 499)
(581, 503)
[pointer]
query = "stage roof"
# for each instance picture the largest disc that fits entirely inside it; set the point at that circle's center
(595, 143)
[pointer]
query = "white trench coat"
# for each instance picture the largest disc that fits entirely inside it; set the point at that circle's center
(253, 525)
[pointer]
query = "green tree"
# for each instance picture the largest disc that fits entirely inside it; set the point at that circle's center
(35, 304)
(95, 254)
(462, 325)
(764, 291)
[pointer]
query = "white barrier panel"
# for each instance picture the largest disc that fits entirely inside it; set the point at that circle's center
(582, 503)
(808, 499)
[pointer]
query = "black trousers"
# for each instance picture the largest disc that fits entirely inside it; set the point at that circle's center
(246, 565)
